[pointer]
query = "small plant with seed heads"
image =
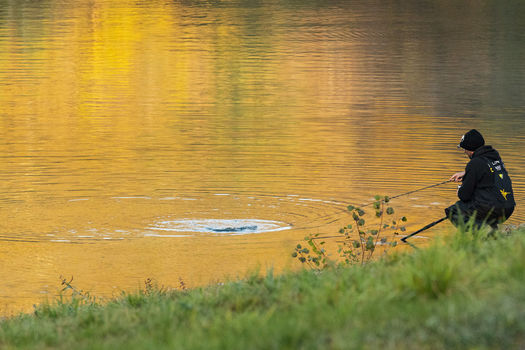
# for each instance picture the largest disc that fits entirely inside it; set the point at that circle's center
(358, 243)
(315, 257)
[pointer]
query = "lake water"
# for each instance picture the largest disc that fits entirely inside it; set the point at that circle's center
(135, 134)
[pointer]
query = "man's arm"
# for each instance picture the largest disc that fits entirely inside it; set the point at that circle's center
(470, 179)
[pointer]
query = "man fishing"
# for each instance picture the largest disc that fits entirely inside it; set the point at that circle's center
(485, 192)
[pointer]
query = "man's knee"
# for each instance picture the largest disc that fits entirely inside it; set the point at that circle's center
(460, 213)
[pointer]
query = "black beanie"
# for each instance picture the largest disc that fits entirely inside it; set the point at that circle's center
(472, 140)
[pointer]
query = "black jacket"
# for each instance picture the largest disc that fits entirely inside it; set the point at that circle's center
(479, 186)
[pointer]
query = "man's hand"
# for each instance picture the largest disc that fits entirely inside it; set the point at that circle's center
(457, 177)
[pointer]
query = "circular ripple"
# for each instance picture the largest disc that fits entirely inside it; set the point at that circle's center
(172, 214)
(230, 227)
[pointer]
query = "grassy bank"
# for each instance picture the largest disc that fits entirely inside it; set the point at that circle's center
(464, 293)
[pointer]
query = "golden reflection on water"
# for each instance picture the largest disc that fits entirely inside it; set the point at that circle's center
(119, 114)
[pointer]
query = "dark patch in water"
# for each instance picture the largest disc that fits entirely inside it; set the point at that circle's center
(233, 229)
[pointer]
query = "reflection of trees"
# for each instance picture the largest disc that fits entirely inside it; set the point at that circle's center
(303, 84)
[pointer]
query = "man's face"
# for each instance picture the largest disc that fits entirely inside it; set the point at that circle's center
(468, 153)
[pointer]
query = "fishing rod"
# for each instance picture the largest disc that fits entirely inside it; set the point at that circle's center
(404, 239)
(420, 189)
(400, 195)
(410, 192)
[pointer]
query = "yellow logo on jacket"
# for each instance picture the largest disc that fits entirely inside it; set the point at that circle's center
(504, 194)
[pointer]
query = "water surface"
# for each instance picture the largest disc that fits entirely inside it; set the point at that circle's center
(122, 117)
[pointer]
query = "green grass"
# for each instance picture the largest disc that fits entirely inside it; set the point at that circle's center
(461, 293)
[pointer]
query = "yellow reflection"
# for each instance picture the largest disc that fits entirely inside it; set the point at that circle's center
(105, 99)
